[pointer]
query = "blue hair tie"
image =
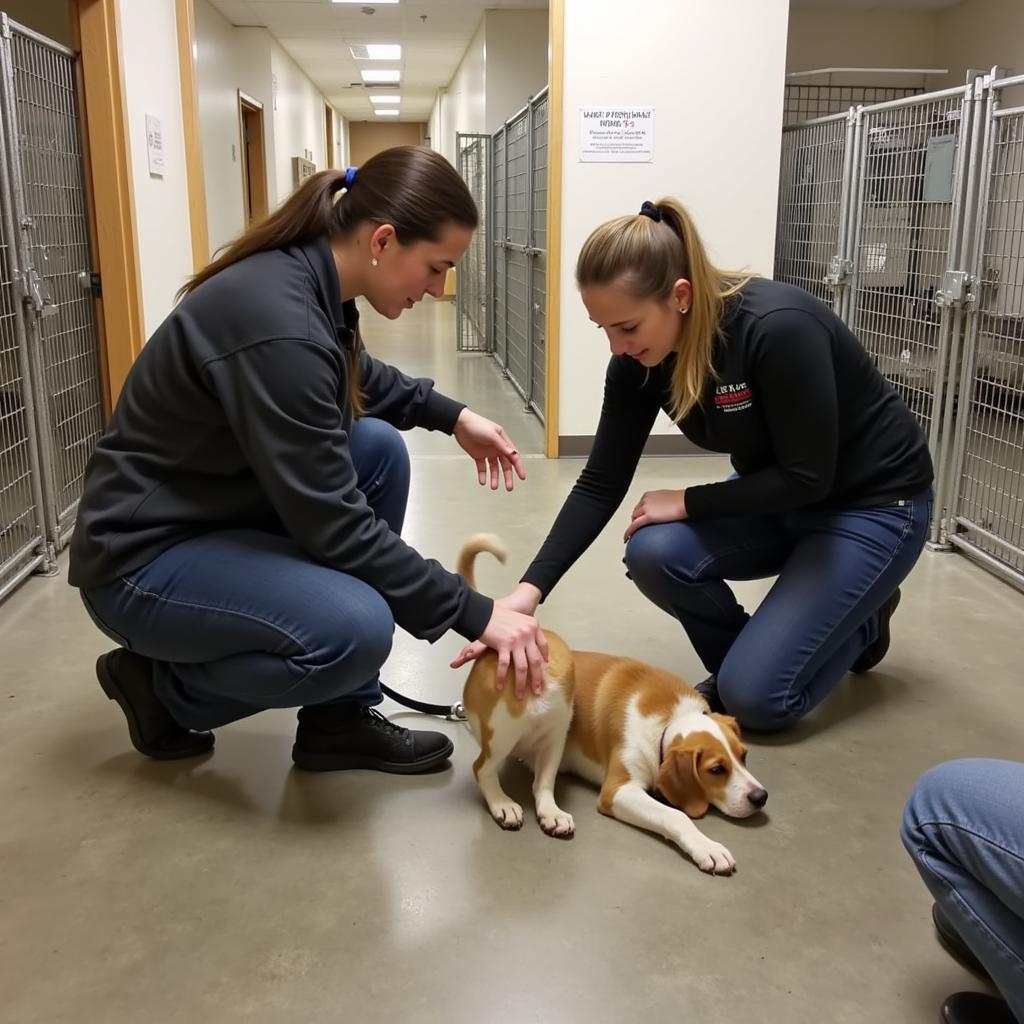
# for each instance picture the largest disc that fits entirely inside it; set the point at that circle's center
(350, 177)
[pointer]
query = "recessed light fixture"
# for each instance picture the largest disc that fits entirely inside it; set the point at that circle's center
(386, 113)
(377, 77)
(384, 100)
(377, 51)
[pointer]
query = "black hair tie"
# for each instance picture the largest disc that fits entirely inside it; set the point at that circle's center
(650, 210)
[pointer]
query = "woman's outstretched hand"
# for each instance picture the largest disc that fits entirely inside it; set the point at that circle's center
(491, 448)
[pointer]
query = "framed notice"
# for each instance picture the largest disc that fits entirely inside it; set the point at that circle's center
(616, 134)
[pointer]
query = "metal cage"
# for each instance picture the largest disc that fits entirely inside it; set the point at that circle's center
(51, 405)
(472, 282)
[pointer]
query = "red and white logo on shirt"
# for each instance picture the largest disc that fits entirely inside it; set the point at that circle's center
(733, 397)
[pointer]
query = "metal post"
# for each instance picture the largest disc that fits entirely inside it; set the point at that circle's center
(845, 202)
(504, 244)
(953, 351)
(460, 299)
(530, 255)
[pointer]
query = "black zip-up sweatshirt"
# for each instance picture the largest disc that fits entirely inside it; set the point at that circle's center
(795, 401)
(236, 415)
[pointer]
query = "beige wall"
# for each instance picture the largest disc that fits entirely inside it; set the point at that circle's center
(152, 85)
(51, 18)
(504, 65)
(462, 106)
(517, 62)
(229, 59)
(973, 34)
(367, 138)
(981, 33)
(860, 38)
(720, 158)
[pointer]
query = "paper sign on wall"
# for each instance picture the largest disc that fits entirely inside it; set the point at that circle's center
(155, 145)
(616, 134)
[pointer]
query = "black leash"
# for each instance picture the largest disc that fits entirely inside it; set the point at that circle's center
(454, 711)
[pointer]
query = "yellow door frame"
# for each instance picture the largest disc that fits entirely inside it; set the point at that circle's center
(96, 31)
(97, 37)
(556, 51)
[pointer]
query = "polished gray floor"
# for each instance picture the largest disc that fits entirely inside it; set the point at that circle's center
(236, 889)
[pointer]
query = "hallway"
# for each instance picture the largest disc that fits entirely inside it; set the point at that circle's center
(233, 888)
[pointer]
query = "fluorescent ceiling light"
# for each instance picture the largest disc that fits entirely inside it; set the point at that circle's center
(376, 3)
(381, 76)
(377, 51)
(386, 99)
(386, 113)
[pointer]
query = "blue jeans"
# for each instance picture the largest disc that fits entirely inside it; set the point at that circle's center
(835, 569)
(964, 828)
(237, 621)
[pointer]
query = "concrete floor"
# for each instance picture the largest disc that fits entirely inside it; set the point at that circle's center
(234, 888)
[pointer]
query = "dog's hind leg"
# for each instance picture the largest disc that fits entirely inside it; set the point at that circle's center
(499, 739)
(553, 820)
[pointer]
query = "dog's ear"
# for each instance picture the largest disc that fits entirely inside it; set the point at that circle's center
(678, 780)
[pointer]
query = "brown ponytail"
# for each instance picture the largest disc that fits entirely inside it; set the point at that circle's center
(648, 257)
(411, 188)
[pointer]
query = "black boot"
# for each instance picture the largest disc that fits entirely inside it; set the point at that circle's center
(336, 737)
(709, 691)
(127, 678)
(872, 655)
(976, 1008)
(954, 945)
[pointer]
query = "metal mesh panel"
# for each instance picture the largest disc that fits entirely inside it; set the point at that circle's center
(52, 190)
(539, 241)
(902, 240)
(517, 310)
(471, 278)
(805, 102)
(989, 502)
(21, 529)
(499, 277)
(810, 201)
(519, 212)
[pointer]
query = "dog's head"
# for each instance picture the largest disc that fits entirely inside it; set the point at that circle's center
(708, 765)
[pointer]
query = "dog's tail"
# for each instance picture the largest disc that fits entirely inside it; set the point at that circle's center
(474, 545)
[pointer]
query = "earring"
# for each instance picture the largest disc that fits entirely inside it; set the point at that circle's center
(373, 261)
(684, 309)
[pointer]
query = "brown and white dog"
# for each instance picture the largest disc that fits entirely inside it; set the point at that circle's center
(629, 727)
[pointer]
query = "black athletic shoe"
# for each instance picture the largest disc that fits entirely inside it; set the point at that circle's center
(976, 1008)
(709, 691)
(872, 655)
(338, 737)
(127, 678)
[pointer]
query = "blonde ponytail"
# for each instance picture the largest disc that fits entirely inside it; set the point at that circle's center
(647, 257)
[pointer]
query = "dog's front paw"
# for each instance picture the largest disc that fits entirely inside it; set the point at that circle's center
(712, 857)
(558, 824)
(508, 815)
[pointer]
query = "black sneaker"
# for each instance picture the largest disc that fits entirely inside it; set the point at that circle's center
(127, 678)
(952, 942)
(872, 655)
(709, 691)
(976, 1008)
(338, 737)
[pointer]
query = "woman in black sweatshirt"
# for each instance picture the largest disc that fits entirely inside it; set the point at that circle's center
(239, 531)
(832, 482)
